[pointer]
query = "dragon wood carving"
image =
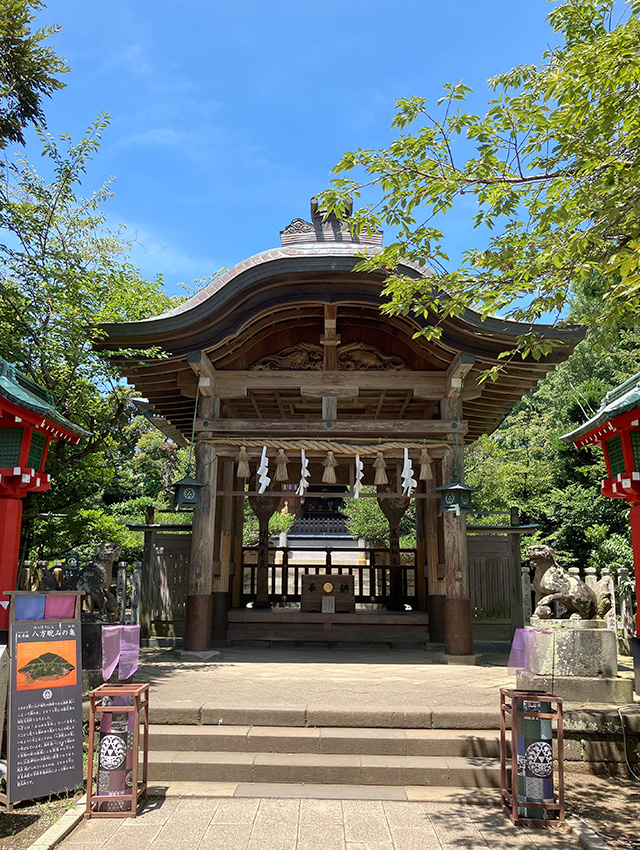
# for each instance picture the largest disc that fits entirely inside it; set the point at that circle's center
(352, 357)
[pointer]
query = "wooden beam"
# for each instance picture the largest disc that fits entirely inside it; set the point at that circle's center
(202, 366)
(278, 399)
(256, 406)
(380, 403)
(405, 404)
(352, 427)
(431, 386)
(329, 407)
(323, 392)
(330, 339)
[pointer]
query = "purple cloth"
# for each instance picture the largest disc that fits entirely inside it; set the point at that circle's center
(59, 607)
(528, 650)
(120, 644)
(29, 607)
(129, 651)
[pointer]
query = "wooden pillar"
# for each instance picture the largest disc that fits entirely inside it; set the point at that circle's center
(421, 549)
(238, 524)
(221, 587)
(517, 606)
(394, 510)
(634, 518)
(435, 542)
(199, 612)
(458, 631)
(263, 507)
(148, 569)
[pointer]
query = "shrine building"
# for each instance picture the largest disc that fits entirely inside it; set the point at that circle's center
(297, 389)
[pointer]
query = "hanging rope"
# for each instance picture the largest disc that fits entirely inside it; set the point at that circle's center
(329, 464)
(281, 466)
(243, 471)
(426, 473)
(297, 444)
(380, 467)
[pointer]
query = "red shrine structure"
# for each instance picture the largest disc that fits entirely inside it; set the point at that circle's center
(616, 429)
(29, 423)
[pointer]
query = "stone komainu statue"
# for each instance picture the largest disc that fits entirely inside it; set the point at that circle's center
(95, 579)
(555, 584)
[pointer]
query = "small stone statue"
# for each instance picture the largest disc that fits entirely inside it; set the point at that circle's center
(96, 579)
(555, 584)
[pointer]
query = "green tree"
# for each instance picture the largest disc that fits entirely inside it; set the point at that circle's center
(365, 521)
(524, 463)
(94, 500)
(62, 274)
(553, 177)
(29, 69)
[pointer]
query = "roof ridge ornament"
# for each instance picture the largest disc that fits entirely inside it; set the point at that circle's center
(326, 228)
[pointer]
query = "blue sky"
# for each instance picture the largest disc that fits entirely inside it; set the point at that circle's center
(227, 117)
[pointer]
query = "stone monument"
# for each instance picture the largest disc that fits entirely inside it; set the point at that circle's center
(581, 662)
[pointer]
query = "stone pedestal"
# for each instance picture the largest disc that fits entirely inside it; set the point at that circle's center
(91, 655)
(581, 663)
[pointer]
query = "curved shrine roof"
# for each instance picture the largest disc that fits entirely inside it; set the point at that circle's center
(277, 301)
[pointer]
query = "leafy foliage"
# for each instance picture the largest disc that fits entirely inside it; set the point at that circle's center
(29, 69)
(554, 179)
(280, 522)
(525, 464)
(62, 274)
(365, 521)
(92, 500)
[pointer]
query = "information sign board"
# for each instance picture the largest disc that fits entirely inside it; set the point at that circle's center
(45, 709)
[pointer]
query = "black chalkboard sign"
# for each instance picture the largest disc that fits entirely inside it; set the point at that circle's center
(45, 709)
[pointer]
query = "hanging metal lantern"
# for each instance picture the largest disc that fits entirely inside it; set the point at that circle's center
(455, 497)
(186, 491)
(186, 494)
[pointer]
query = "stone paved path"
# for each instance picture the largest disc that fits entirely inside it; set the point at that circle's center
(337, 679)
(308, 824)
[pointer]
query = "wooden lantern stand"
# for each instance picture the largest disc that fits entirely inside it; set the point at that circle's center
(511, 804)
(140, 706)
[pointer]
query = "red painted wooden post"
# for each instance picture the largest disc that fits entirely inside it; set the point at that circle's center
(635, 542)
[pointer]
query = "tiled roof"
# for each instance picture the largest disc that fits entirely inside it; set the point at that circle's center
(16, 387)
(617, 401)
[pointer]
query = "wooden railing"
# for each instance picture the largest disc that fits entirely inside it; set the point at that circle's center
(371, 579)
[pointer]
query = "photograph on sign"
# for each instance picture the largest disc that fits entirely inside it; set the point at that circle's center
(49, 663)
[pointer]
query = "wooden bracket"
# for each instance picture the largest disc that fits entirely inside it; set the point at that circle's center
(202, 366)
(460, 366)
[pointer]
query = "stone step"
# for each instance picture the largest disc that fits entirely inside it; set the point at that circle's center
(330, 741)
(191, 712)
(310, 791)
(323, 769)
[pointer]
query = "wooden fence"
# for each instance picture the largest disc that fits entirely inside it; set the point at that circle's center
(165, 582)
(494, 575)
(372, 581)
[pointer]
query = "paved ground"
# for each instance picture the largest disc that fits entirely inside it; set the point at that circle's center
(376, 680)
(280, 824)
(324, 678)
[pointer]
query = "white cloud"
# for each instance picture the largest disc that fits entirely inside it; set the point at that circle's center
(155, 255)
(154, 137)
